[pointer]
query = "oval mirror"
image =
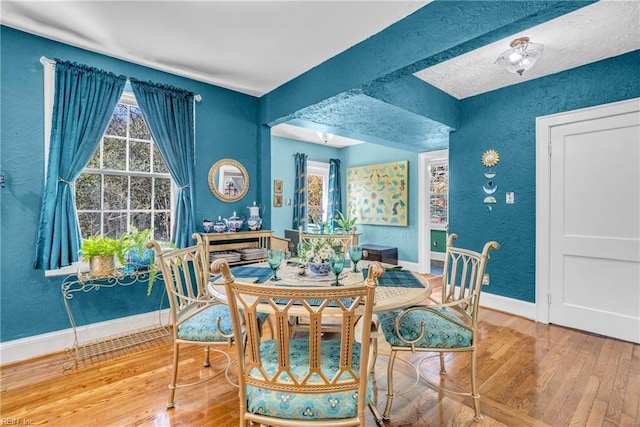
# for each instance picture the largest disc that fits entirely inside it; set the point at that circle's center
(228, 180)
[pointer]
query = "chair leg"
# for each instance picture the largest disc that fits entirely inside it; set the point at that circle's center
(390, 395)
(474, 389)
(206, 363)
(443, 369)
(174, 376)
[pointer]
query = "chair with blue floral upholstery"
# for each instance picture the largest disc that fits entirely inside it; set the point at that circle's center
(196, 317)
(311, 380)
(448, 325)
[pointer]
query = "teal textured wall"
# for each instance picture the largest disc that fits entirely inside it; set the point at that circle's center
(404, 238)
(283, 168)
(31, 303)
(504, 120)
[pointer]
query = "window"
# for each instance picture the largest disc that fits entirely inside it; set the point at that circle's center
(126, 183)
(438, 200)
(317, 191)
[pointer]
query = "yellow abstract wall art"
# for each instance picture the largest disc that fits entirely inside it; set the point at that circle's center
(378, 194)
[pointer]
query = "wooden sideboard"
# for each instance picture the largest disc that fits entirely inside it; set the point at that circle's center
(229, 241)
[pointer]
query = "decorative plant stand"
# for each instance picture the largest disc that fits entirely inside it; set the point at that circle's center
(84, 282)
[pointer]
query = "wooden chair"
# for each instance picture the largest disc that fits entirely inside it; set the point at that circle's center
(344, 240)
(280, 243)
(312, 381)
(449, 325)
(196, 317)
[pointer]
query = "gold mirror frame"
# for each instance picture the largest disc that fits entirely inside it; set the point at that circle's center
(223, 189)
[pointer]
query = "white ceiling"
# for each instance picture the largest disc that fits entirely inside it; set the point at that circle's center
(595, 32)
(247, 46)
(255, 46)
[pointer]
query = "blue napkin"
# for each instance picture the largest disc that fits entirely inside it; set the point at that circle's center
(262, 273)
(397, 278)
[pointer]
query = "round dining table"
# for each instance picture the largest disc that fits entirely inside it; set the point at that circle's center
(396, 289)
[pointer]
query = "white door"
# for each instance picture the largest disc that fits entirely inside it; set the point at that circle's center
(594, 233)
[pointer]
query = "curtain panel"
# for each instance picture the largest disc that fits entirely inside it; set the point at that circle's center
(334, 203)
(84, 101)
(169, 113)
(300, 192)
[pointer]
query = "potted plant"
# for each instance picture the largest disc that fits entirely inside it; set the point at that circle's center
(345, 223)
(315, 254)
(100, 252)
(134, 248)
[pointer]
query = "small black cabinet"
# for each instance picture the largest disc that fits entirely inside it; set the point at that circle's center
(386, 254)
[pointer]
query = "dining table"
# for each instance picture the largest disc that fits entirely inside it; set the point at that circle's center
(397, 288)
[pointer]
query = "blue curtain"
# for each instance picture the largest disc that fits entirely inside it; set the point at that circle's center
(334, 204)
(300, 192)
(168, 112)
(83, 104)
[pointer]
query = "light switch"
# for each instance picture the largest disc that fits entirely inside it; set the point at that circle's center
(511, 198)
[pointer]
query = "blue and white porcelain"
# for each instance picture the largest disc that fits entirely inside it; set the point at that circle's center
(254, 221)
(318, 268)
(234, 223)
(219, 226)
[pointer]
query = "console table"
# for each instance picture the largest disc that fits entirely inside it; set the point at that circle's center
(231, 240)
(84, 282)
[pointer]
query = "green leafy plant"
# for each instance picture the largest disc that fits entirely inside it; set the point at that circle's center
(100, 245)
(345, 222)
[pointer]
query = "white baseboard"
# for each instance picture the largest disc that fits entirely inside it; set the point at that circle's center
(508, 305)
(411, 266)
(437, 256)
(53, 342)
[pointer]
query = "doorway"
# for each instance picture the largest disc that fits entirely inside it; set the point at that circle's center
(434, 210)
(588, 198)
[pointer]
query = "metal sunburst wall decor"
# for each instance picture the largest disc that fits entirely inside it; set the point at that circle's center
(490, 158)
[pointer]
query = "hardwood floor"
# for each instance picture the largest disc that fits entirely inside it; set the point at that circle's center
(529, 374)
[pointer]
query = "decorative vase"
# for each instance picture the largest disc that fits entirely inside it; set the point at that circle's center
(234, 223)
(219, 226)
(102, 265)
(207, 225)
(318, 268)
(254, 221)
(141, 260)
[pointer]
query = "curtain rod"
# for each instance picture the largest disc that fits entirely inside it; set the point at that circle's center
(46, 61)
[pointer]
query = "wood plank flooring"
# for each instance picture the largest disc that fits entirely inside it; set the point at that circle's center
(529, 374)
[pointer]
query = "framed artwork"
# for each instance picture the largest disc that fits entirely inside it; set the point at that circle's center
(277, 186)
(378, 194)
(277, 200)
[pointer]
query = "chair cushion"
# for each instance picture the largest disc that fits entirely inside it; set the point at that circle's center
(202, 327)
(301, 406)
(439, 332)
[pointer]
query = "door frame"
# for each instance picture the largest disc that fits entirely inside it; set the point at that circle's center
(544, 124)
(424, 224)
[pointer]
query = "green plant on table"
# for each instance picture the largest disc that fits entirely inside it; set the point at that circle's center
(345, 222)
(100, 245)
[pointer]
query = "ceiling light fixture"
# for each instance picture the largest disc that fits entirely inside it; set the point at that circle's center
(521, 56)
(324, 136)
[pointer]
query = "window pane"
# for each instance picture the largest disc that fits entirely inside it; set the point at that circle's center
(115, 192)
(115, 223)
(138, 129)
(141, 220)
(118, 124)
(89, 223)
(88, 192)
(141, 192)
(139, 156)
(115, 154)
(162, 226)
(159, 166)
(314, 201)
(94, 161)
(163, 194)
